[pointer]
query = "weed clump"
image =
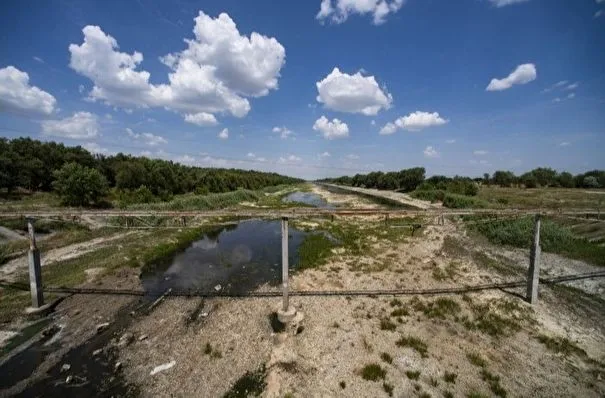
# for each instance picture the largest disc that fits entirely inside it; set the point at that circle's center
(386, 324)
(412, 374)
(388, 388)
(450, 377)
(342, 384)
(476, 359)
(494, 383)
(250, 384)
(386, 357)
(373, 372)
(561, 345)
(401, 311)
(415, 343)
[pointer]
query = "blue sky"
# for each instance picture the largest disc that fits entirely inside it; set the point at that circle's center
(459, 87)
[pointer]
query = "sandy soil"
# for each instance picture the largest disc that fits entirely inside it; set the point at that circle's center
(351, 201)
(396, 196)
(342, 334)
(10, 271)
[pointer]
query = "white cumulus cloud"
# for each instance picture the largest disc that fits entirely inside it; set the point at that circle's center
(338, 11)
(95, 148)
(79, 126)
(388, 129)
(16, 94)
(215, 73)
(419, 120)
(224, 134)
(289, 159)
(352, 93)
(283, 132)
(325, 155)
(430, 152)
(480, 152)
(201, 119)
(522, 74)
(331, 129)
(146, 138)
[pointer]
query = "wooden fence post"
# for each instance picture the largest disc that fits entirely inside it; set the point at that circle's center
(533, 273)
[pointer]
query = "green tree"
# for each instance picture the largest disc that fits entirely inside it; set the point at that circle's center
(503, 178)
(591, 182)
(566, 180)
(78, 185)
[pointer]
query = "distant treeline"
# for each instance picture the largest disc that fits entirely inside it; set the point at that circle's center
(411, 179)
(36, 165)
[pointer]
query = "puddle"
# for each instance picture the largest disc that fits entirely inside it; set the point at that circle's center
(238, 257)
(308, 198)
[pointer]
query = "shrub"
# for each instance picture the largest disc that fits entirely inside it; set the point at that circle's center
(373, 372)
(77, 185)
(462, 202)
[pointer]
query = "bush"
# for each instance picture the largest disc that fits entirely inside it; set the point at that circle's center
(430, 195)
(462, 202)
(77, 185)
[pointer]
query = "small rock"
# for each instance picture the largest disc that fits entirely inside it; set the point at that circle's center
(117, 366)
(218, 288)
(125, 340)
(163, 367)
(69, 379)
(102, 326)
(204, 314)
(142, 337)
(65, 367)
(75, 312)
(97, 352)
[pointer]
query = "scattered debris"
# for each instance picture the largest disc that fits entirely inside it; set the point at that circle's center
(97, 352)
(125, 340)
(142, 337)
(218, 288)
(117, 366)
(102, 326)
(161, 368)
(65, 368)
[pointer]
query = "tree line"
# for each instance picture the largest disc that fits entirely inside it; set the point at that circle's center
(411, 179)
(47, 166)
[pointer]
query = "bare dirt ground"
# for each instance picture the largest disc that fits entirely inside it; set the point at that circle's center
(207, 345)
(341, 335)
(395, 196)
(345, 200)
(11, 271)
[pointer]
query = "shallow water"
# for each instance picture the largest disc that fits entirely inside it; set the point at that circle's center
(308, 198)
(238, 257)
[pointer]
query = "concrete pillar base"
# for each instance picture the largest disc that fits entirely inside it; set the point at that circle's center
(287, 316)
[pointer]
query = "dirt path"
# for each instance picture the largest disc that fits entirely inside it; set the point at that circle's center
(351, 201)
(10, 271)
(395, 196)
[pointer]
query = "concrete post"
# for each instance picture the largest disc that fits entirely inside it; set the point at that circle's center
(35, 271)
(533, 273)
(284, 261)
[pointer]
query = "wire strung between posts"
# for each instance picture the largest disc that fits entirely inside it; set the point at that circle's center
(302, 293)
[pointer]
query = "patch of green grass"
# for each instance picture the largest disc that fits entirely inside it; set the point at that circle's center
(388, 388)
(250, 384)
(455, 201)
(396, 303)
(386, 324)
(494, 383)
(412, 374)
(373, 372)
(554, 238)
(402, 311)
(454, 247)
(415, 343)
(476, 359)
(210, 201)
(450, 377)
(485, 261)
(449, 272)
(386, 357)
(561, 345)
(314, 250)
(476, 394)
(499, 318)
(442, 308)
